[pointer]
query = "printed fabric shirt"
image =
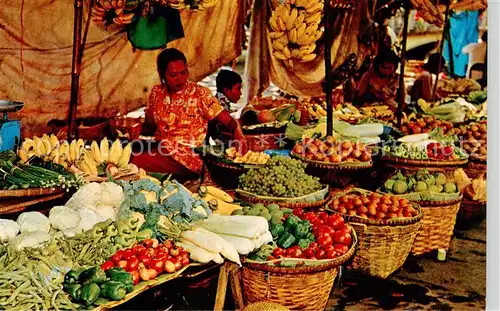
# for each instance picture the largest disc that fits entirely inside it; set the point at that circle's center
(182, 121)
(224, 101)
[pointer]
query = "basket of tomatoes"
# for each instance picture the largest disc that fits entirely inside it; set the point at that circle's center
(386, 227)
(300, 270)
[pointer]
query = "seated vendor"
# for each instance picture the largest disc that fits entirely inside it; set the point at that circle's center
(424, 85)
(180, 111)
(379, 85)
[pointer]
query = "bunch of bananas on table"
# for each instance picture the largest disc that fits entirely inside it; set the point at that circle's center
(295, 30)
(251, 157)
(74, 155)
(316, 111)
(193, 5)
(111, 12)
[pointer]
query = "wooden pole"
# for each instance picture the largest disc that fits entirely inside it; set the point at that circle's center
(441, 45)
(328, 67)
(401, 91)
(75, 68)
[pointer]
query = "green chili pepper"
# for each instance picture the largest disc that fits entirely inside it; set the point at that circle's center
(111, 231)
(113, 290)
(125, 240)
(115, 270)
(90, 293)
(93, 275)
(73, 276)
(286, 240)
(291, 222)
(144, 234)
(103, 225)
(96, 232)
(74, 290)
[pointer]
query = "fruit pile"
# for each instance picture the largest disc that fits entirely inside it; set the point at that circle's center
(421, 181)
(332, 150)
(146, 260)
(330, 237)
(280, 177)
(426, 125)
(438, 151)
(373, 206)
(251, 157)
(473, 137)
(295, 30)
(271, 213)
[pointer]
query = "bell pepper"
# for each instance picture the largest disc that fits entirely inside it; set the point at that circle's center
(103, 225)
(286, 240)
(89, 294)
(311, 237)
(125, 240)
(144, 234)
(115, 270)
(111, 231)
(304, 243)
(125, 278)
(307, 224)
(113, 290)
(74, 290)
(291, 222)
(276, 230)
(73, 276)
(93, 275)
(299, 231)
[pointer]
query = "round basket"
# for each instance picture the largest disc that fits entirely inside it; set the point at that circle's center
(471, 213)
(224, 174)
(430, 165)
(383, 245)
(437, 226)
(298, 288)
(261, 142)
(476, 168)
(283, 203)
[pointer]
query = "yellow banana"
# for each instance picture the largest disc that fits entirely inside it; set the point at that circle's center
(276, 34)
(125, 156)
(28, 145)
(218, 193)
(301, 30)
(295, 53)
(96, 153)
(314, 19)
(115, 152)
(308, 49)
(308, 58)
(283, 40)
(310, 4)
(292, 35)
(317, 35)
(281, 24)
(23, 155)
(274, 24)
(294, 13)
(304, 38)
(300, 19)
(315, 8)
(54, 141)
(104, 149)
(46, 143)
(280, 55)
(72, 152)
(321, 110)
(39, 147)
(55, 156)
(286, 52)
(87, 158)
(278, 46)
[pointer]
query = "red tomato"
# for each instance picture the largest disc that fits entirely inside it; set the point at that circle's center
(294, 253)
(331, 254)
(340, 248)
(169, 266)
(178, 265)
(147, 243)
(185, 261)
(342, 236)
(320, 254)
(312, 217)
(132, 264)
(117, 257)
(122, 264)
(160, 253)
(136, 277)
(320, 222)
(107, 265)
(157, 264)
(326, 229)
(278, 252)
(328, 248)
(299, 212)
(127, 254)
(313, 246)
(323, 216)
(324, 240)
(336, 221)
(174, 251)
(145, 259)
(168, 244)
(309, 252)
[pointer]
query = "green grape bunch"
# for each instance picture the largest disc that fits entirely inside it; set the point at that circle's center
(280, 177)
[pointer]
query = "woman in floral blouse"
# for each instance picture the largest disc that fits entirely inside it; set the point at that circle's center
(180, 111)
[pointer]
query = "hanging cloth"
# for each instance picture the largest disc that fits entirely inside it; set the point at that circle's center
(155, 30)
(463, 31)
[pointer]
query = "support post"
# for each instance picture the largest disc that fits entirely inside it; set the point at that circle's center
(75, 68)
(328, 67)
(441, 45)
(401, 91)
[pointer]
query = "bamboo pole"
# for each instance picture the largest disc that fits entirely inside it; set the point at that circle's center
(75, 68)
(441, 45)
(401, 91)
(328, 67)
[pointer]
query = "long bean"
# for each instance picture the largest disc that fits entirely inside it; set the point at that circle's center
(18, 290)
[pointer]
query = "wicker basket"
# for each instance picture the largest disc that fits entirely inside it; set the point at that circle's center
(224, 174)
(298, 288)
(383, 245)
(285, 204)
(476, 169)
(437, 226)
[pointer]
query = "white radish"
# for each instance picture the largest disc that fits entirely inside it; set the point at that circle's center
(228, 249)
(196, 253)
(242, 245)
(237, 225)
(263, 239)
(204, 241)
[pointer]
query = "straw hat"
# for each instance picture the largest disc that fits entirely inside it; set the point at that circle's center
(265, 306)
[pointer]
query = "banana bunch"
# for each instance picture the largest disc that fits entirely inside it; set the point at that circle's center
(316, 111)
(295, 30)
(377, 112)
(102, 153)
(111, 12)
(341, 4)
(220, 201)
(196, 5)
(428, 11)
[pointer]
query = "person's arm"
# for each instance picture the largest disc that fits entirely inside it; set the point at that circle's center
(469, 48)
(234, 127)
(149, 126)
(427, 87)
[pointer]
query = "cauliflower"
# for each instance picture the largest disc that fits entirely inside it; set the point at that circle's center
(8, 229)
(62, 217)
(87, 196)
(106, 212)
(88, 219)
(33, 221)
(111, 194)
(30, 239)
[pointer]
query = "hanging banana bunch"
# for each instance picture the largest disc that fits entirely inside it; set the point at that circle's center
(295, 29)
(341, 4)
(112, 12)
(193, 5)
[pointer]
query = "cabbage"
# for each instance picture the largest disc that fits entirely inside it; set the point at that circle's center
(30, 239)
(88, 219)
(33, 221)
(8, 229)
(111, 195)
(62, 217)
(87, 196)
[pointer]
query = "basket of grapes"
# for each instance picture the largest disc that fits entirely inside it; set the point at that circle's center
(282, 180)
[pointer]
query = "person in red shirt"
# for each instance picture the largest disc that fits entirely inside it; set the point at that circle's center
(179, 110)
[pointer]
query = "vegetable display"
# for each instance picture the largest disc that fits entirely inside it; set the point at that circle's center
(426, 125)
(280, 177)
(332, 150)
(420, 182)
(473, 138)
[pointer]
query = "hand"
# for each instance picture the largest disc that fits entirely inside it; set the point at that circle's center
(242, 141)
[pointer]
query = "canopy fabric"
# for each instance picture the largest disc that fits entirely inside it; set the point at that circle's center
(305, 79)
(470, 5)
(36, 40)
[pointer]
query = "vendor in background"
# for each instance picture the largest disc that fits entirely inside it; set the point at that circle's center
(228, 92)
(180, 111)
(477, 57)
(379, 85)
(424, 84)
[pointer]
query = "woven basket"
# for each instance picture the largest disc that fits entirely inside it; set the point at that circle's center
(476, 169)
(285, 204)
(471, 213)
(437, 226)
(224, 174)
(426, 163)
(261, 142)
(383, 245)
(298, 288)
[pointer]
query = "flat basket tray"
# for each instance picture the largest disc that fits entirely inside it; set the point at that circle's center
(335, 166)
(322, 198)
(393, 159)
(31, 192)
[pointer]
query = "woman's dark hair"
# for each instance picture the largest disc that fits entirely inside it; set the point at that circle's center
(433, 63)
(226, 79)
(484, 37)
(386, 56)
(165, 57)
